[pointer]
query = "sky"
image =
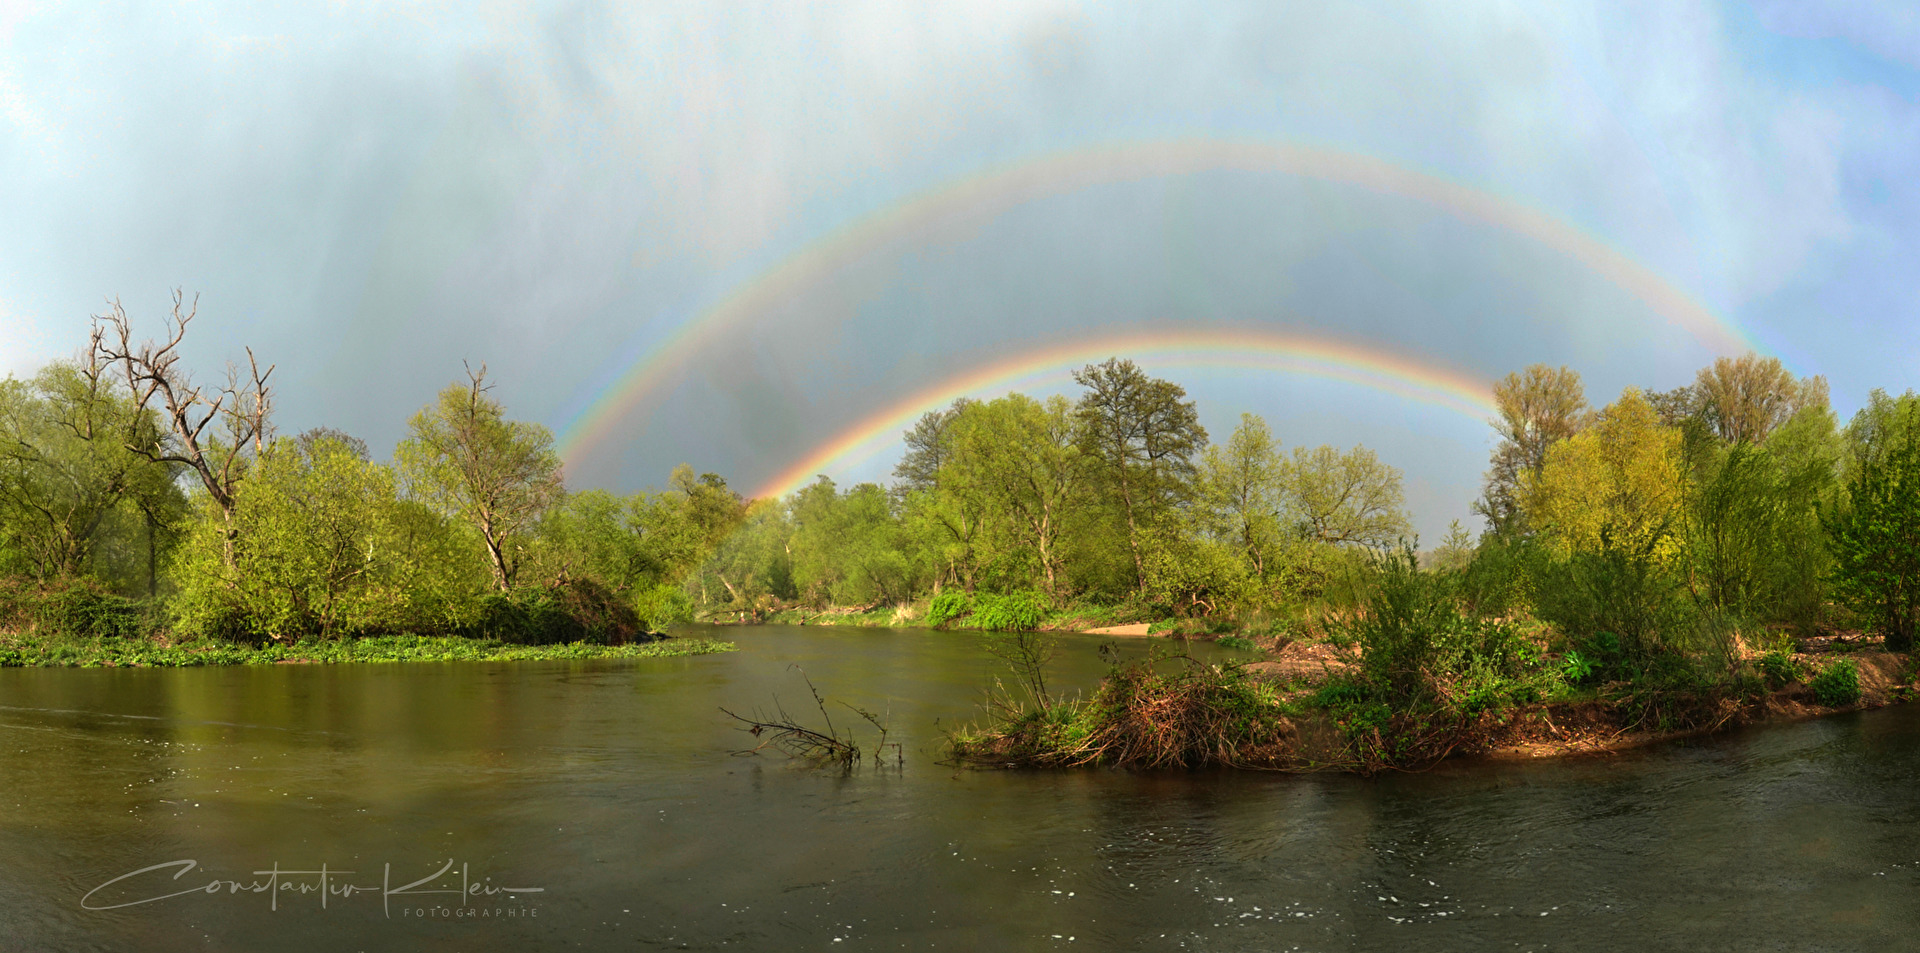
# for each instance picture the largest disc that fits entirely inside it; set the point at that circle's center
(734, 234)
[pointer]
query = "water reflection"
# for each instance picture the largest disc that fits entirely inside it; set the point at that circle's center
(613, 786)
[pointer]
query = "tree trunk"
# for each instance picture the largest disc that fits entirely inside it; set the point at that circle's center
(1133, 539)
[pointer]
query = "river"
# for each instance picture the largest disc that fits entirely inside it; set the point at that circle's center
(609, 795)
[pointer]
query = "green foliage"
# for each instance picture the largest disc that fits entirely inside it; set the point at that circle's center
(37, 650)
(849, 548)
(1020, 611)
(1779, 668)
(1837, 685)
(1141, 435)
(1620, 591)
(1755, 546)
(73, 608)
(318, 543)
(465, 458)
(663, 606)
(1237, 642)
(1419, 652)
(1875, 535)
(576, 611)
(948, 606)
(1193, 577)
(1575, 668)
(76, 486)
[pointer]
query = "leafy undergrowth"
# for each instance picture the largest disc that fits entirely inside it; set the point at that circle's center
(34, 650)
(1146, 715)
(1160, 712)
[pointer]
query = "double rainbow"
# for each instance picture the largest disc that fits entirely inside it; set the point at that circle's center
(1007, 186)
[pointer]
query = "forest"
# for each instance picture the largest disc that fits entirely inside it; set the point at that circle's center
(1692, 537)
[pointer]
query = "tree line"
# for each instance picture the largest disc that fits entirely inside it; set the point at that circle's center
(1737, 500)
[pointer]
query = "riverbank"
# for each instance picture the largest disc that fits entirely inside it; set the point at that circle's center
(28, 650)
(1308, 710)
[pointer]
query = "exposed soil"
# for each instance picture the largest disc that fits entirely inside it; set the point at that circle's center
(1137, 630)
(1604, 726)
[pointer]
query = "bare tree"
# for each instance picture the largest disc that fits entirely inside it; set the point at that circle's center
(211, 430)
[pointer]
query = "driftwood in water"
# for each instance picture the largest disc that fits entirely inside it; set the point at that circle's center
(782, 733)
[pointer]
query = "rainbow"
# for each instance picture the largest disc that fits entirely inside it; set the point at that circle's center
(1002, 187)
(1316, 357)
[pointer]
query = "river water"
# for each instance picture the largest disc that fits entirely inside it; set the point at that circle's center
(613, 789)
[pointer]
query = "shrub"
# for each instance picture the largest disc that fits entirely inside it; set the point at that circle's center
(579, 610)
(665, 605)
(1238, 642)
(1419, 652)
(73, 608)
(1018, 611)
(948, 606)
(1779, 668)
(1837, 685)
(1624, 591)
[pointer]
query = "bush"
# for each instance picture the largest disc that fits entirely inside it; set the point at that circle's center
(1837, 685)
(1622, 591)
(1020, 611)
(74, 607)
(579, 610)
(1419, 652)
(663, 606)
(1779, 668)
(948, 606)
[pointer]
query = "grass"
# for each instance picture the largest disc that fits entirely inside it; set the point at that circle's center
(1166, 711)
(17, 650)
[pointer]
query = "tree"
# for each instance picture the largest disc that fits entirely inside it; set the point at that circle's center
(316, 550)
(1748, 397)
(1538, 408)
(1875, 535)
(1242, 490)
(1347, 498)
(156, 381)
(927, 447)
(71, 471)
(848, 548)
(1754, 536)
(1142, 434)
(1021, 458)
(1619, 482)
(497, 475)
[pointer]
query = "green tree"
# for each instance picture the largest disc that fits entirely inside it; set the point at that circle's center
(317, 550)
(849, 548)
(1243, 492)
(1142, 434)
(1538, 408)
(1748, 397)
(1622, 478)
(928, 445)
(75, 471)
(497, 475)
(1754, 538)
(1875, 533)
(1018, 457)
(1346, 498)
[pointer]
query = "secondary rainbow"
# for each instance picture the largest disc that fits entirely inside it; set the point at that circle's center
(980, 195)
(1325, 358)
